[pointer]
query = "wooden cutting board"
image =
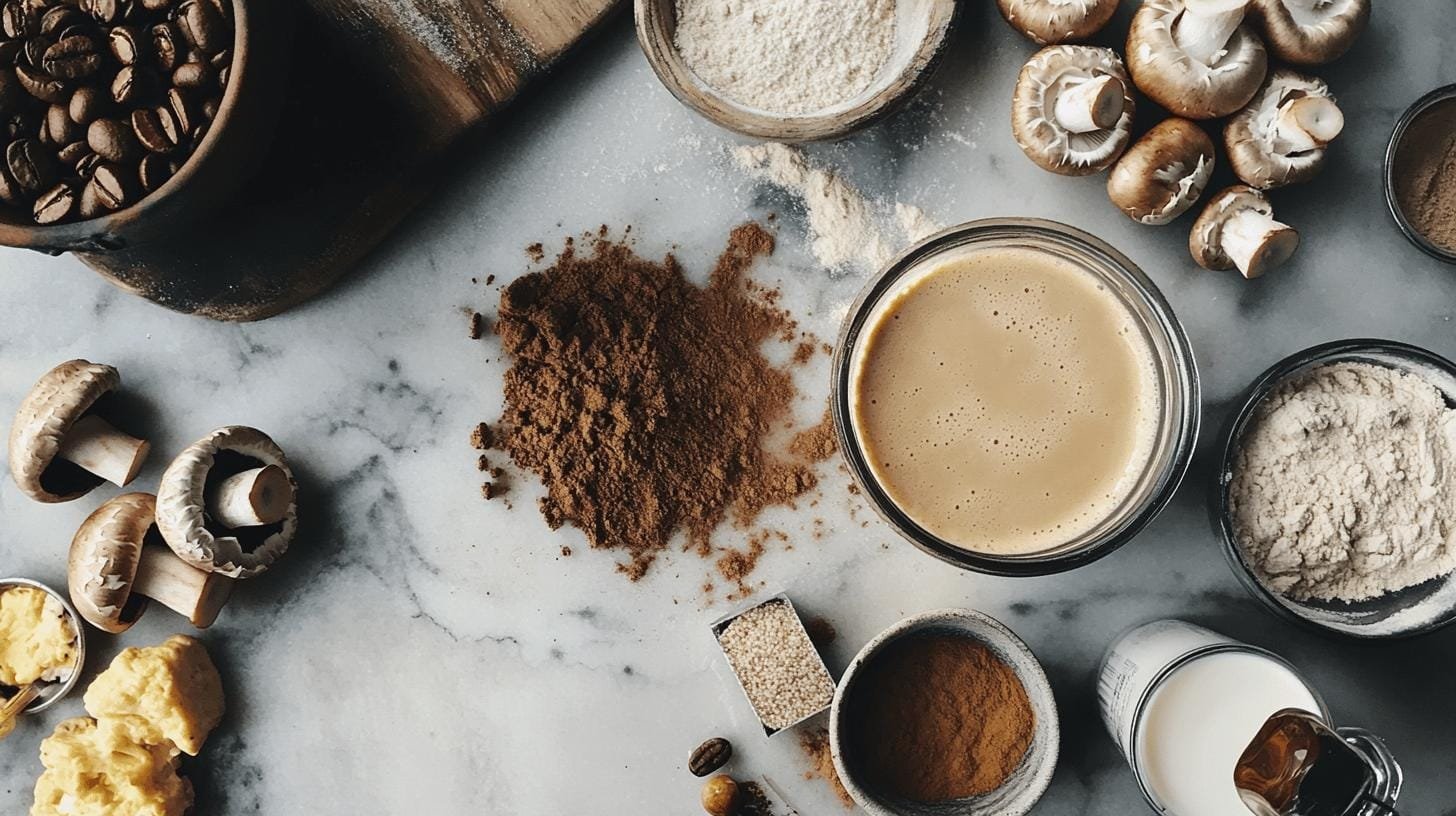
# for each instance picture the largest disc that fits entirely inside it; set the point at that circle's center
(379, 92)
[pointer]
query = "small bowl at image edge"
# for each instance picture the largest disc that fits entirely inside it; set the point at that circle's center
(1445, 95)
(1031, 778)
(236, 142)
(922, 28)
(52, 693)
(1408, 612)
(1175, 369)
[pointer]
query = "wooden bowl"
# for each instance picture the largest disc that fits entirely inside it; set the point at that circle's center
(922, 28)
(230, 153)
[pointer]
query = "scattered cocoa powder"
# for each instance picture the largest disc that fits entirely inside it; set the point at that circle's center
(535, 252)
(816, 444)
(804, 352)
(482, 463)
(815, 742)
(821, 631)
(734, 566)
(642, 401)
(481, 437)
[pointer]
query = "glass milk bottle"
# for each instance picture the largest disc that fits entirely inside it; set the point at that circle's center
(1184, 704)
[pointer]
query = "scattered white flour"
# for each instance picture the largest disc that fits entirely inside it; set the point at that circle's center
(787, 56)
(844, 227)
(1344, 486)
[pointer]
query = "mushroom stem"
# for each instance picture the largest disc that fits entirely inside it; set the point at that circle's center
(1307, 123)
(1256, 243)
(252, 498)
(95, 445)
(10, 711)
(181, 587)
(1205, 26)
(1091, 105)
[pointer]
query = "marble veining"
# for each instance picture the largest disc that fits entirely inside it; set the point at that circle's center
(422, 651)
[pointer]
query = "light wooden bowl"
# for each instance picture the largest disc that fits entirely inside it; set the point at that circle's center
(922, 28)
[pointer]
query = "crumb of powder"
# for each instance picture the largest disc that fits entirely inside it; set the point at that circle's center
(821, 631)
(815, 742)
(804, 352)
(482, 463)
(755, 801)
(536, 252)
(489, 279)
(818, 443)
(734, 566)
(477, 325)
(481, 437)
(489, 491)
(565, 551)
(914, 223)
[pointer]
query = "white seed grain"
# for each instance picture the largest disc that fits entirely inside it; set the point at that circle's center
(776, 663)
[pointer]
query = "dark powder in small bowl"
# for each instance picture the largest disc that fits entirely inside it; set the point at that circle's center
(936, 717)
(1425, 174)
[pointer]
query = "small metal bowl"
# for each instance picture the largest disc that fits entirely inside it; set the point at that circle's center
(722, 623)
(1032, 777)
(1408, 612)
(923, 27)
(1445, 95)
(52, 693)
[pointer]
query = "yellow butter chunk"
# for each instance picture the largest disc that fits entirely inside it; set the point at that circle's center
(95, 769)
(37, 641)
(167, 695)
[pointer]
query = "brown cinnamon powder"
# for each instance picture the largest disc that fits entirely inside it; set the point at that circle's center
(1425, 175)
(815, 743)
(642, 401)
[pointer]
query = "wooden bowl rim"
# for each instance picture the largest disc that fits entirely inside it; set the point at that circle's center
(656, 19)
(58, 237)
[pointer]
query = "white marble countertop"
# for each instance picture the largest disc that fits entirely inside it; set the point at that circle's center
(424, 651)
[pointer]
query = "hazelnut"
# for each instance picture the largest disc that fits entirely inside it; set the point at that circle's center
(720, 796)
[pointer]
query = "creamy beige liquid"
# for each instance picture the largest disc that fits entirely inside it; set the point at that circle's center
(1005, 400)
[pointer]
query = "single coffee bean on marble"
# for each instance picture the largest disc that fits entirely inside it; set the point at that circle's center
(88, 104)
(192, 75)
(154, 171)
(105, 12)
(113, 186)
(113, 140)
(90, 205)
(147, 126)
(164, 46)
(127, 44)
(72, 154)
(31, 164)
(56, 205)
(72, 58)
(60, 128)
(710, 756)
(202, 26)
(41, 85)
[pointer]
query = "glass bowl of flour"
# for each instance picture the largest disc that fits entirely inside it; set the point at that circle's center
(1336, 494)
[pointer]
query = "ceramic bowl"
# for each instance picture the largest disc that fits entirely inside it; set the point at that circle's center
(229, 155)
(922, 29)
(1030, 780)
(1412, 611)
(52, 693)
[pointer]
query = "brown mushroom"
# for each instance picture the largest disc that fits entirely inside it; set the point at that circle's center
(1072, 110)
(1163, 173)
(1279, 138)
(1237, 230)
(1310, 32)
(1049, 22)
(1195, 57)
(228, 504)
(61, 446)
(118, 562)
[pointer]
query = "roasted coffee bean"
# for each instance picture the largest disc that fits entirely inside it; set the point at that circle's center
(59, 18)
(209, 108)
(113, 186)
(16, 22)
(181, 110)
(127, 44)
(164, 46)
(222, 76)
(132, 84)
(105, 12)
(710, 756)
(17, 125)
(31, 164)
(72, 154)
(176, 134)
(35, 49)
(147, 125)
(198, 134)
(59, 127)
(154, 171)
(40, 85)
(202, 27)
(192, 75)
(10, 192)
(56, 205)
(72, 58)
(87, 104)
(90, 205)
(88, 164)
(113, 140)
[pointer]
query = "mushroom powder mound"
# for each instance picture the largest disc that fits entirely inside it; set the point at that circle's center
(642, 401)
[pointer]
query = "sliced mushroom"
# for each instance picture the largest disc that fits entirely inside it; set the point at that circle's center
(1195, 57)
(228, 504)
(1310, 32)
(1279, 138)
(118, 562)
(1237, 230)
(1163, 173)
(1072, 112)
(1049, 22)
(61, 447)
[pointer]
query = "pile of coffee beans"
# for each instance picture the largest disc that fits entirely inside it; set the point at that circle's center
(102, 101)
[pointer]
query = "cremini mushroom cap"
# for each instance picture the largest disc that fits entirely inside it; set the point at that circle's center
(59, 398)
(1163, 173)
(1039, 116)
(1237, 230)
(1187, 86)
(182, 514)
(1269, 144)
(1049, 22)
(104, 558)
(1314, 33)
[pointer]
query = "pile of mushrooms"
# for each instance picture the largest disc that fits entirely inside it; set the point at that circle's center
(1200, 60)
(225, 509)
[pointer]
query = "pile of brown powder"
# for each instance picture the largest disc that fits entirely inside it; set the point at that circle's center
(643, 402)
(1425, 174)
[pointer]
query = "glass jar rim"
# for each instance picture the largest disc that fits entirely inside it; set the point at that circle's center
(1445, 94)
